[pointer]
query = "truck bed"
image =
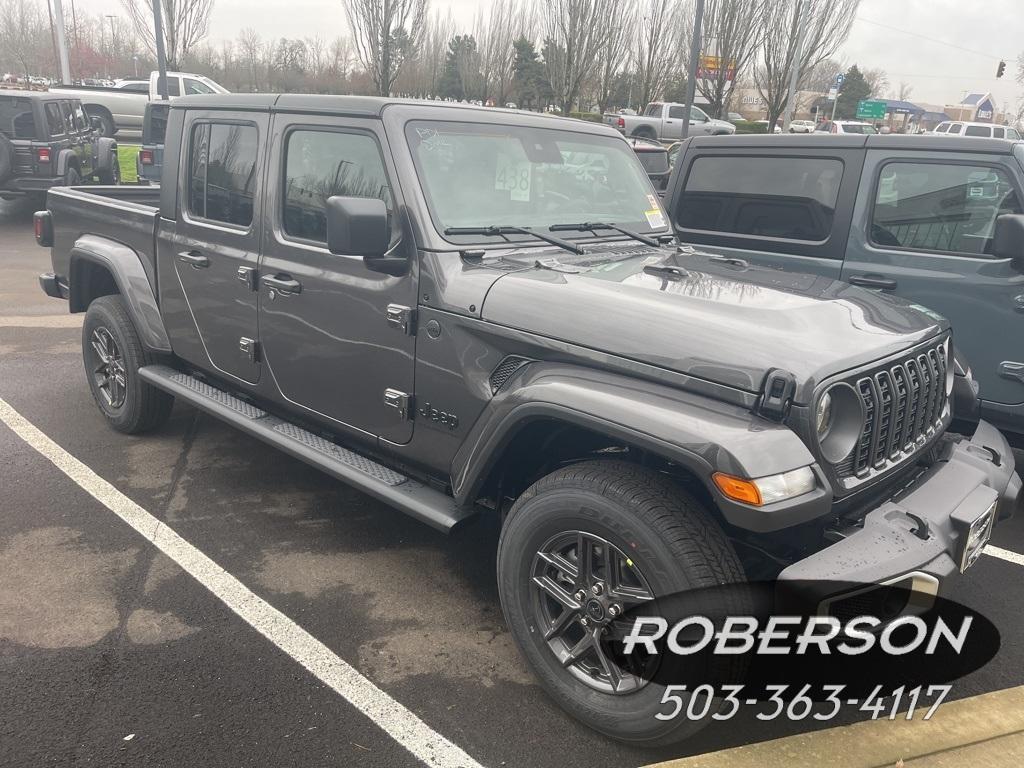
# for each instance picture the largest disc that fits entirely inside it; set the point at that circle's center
(124, 214)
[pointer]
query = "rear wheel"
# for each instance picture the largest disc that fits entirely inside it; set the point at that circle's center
(113, 353)
(580, 547)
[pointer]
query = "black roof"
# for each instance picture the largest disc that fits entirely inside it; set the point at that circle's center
(37, 95)
(365, 106)
(855, 141)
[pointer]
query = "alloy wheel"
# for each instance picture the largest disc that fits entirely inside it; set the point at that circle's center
(107, 366)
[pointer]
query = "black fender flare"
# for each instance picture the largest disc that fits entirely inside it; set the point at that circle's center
(691, 430)
(125, 266)
(64, 159)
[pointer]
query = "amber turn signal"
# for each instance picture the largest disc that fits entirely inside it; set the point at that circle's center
(737, 488)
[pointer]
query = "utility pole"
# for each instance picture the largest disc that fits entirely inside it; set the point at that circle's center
(801, 23)
(161, 55)
(691, 75)
(111, 56)
(62, 46)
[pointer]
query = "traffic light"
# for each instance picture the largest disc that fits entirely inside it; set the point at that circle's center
(1000, 69)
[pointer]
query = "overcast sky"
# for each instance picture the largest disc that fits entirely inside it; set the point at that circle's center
(939, 74)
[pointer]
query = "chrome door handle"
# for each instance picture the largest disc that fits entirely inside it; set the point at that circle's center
(873, 281)
(283, 284)
(194, 259)
(1018, 303)
(1011, 370)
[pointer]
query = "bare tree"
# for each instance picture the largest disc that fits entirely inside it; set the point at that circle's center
(186, 23)
(250, 46)
(904, 91)
(828, 25)
(732, 31)
(386, 33)
(494, 35)
(573, 39)
(877, 80)
(661, 38)
(23, 36)
(618, 21)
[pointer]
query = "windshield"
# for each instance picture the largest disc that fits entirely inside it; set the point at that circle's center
(479, 175)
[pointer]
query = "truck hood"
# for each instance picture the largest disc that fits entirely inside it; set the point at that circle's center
(730, 324)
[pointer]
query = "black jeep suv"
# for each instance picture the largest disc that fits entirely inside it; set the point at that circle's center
(47, 141)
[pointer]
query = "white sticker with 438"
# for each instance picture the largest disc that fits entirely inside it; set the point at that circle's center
(514, 177)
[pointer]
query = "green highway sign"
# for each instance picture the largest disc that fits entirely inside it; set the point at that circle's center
(871, 110)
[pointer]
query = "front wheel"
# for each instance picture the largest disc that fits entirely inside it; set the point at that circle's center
(113, 353)
(580, 547)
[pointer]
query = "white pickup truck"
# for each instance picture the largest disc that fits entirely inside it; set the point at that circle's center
(664, 121)
(123, 105)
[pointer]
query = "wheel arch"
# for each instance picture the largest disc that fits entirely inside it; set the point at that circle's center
(101, 267)
(595, 410)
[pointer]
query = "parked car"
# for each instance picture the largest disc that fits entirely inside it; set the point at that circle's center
(802, 126)
(122, 106)
(976, 130)
(732, 117)
(924, 218)
(46, 140)
(150, 159)
(653, 157)
(845, 126)
(777, 128)
(428, 302)
(665, 122)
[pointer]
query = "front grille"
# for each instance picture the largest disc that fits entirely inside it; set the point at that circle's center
(23, 160)
(903, 406)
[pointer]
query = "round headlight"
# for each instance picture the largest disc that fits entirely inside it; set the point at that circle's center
(839, 418)
(823, 416)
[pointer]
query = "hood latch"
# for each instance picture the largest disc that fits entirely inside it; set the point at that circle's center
(777, 394)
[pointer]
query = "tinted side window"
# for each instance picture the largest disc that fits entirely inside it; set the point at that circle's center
(135, 87)
(955, 128)
(942, 128)
(997, 133)
(784, 197)
(173, 86)
(194, 86)
(935, 207)
(54, 121)
(676, 113)
(321, 164)
(978, 130)
(69, 118)
(222, 172)
(81, 119)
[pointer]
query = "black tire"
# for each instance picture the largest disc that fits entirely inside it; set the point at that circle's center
(107, 127)
(72, 178)
(669, 536)
(111, 175)
(141, 407)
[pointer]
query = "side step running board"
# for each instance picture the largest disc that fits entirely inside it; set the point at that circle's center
(410, 496)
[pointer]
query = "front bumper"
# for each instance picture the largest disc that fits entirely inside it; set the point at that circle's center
(921, 531)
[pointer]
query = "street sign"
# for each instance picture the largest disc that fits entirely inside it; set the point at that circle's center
(839, 79)
(871, 110)
(832, 93)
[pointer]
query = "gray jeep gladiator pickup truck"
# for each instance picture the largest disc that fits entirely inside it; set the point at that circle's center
(445, 307)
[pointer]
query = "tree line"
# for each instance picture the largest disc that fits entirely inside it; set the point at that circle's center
(573, 55)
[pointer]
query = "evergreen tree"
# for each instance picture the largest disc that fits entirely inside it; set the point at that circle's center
(529, 84)
(854, 89)
(461, 69)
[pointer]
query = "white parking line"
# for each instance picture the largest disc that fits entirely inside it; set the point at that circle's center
(399, 722)
(1004, 554)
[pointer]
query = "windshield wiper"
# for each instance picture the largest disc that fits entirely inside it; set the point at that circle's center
(506, 230)
(592, 226)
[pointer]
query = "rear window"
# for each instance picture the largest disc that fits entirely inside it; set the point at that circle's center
(792, 198)
(16, 121)
(868, 129)
(978, 130)
(654, 161)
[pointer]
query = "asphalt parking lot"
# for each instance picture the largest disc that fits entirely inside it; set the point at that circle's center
(111, 654)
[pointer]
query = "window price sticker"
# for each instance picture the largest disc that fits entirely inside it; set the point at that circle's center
(513, 176)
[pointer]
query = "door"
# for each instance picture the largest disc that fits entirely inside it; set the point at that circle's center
(324, 326)
(924, 232)
(215, 245)
(672, 125)
(78, 143)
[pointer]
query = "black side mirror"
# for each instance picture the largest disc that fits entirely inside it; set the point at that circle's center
(358, 226)
(1008, 240)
